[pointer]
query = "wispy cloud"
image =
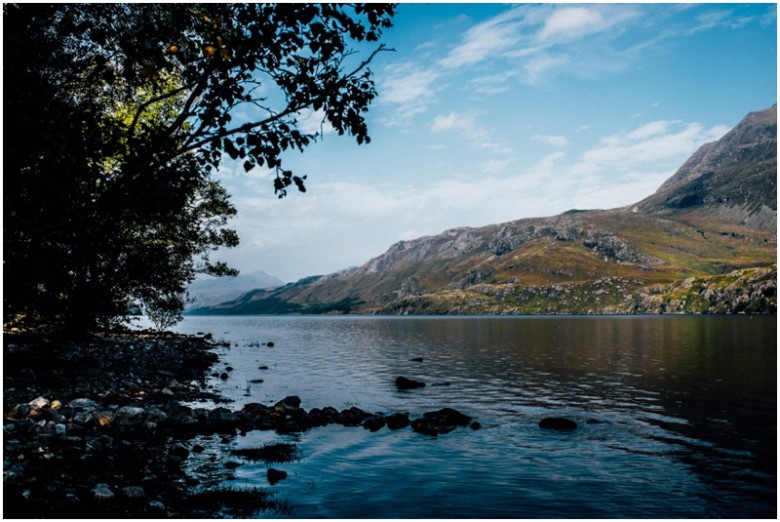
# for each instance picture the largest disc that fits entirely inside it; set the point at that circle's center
(656, 142)
(572, 23)
(410, 89)
(470, 131)
(373, 216)
(555, 141)
(486, 39)
(529, 43)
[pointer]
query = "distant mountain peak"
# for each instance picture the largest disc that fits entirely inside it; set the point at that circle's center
(756, 130)
(213, 290)
(734, 178)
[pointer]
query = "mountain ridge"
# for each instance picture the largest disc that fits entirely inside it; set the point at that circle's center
(214, 290)
(714, 218)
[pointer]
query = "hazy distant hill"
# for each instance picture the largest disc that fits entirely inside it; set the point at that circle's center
(215, 290)
(705, 242)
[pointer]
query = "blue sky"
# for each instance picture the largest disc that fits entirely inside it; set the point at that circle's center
(493, 112)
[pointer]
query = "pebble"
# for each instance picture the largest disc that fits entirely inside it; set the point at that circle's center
(132, 492)
(102, 492)
(39, 403)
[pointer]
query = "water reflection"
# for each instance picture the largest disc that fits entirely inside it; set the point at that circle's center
(677, 414)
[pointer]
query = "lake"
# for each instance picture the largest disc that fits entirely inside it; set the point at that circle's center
(677, 416)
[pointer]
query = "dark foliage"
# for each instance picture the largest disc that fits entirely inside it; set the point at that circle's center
(117, 114)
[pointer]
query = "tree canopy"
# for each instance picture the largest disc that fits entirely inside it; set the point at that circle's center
(117, 115)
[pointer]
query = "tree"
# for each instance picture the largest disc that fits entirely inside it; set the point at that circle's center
(116, 115)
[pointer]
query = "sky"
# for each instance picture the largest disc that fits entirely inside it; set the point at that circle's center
(488, 113)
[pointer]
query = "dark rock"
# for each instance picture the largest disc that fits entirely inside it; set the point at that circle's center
(354, 416)
(180, 451)
(129, 416)
(374, 423)
(557, 423)
(441, 421)
(256, 381)
(397, 421)
(224, 376)
(402, 383)
(475, 425)
(270, 344)
(132, 492)
(262, 367)
(417, 359)
(288, 403)
(275, 475)
(222, 420)
(83, 404)
(256, 411)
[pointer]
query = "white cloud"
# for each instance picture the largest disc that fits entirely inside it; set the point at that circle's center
(486, 40)
(408, 87)
(654, 142)
(539, 69)
(572, 22)
(311, 122)
(469, 131)
(452, 121)
(555, 141)
(493, 167)
(493, 83)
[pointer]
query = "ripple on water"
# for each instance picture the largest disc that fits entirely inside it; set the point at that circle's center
(661, 432)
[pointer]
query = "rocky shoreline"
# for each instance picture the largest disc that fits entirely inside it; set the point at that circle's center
(102, 427)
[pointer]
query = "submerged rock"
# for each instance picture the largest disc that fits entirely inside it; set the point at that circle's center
(557, 423)
(275, 475)
(403, 383)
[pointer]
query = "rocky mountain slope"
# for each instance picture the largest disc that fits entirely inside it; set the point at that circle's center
(705, 242)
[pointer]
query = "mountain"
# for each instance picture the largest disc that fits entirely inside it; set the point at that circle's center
(215, 290)
(734, 178)
(704, 242)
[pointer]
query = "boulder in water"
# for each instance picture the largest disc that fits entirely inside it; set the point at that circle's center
(557, 423)
(441, 421)
(403, 383)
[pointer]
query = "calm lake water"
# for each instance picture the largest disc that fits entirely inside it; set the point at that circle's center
(677, 415)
